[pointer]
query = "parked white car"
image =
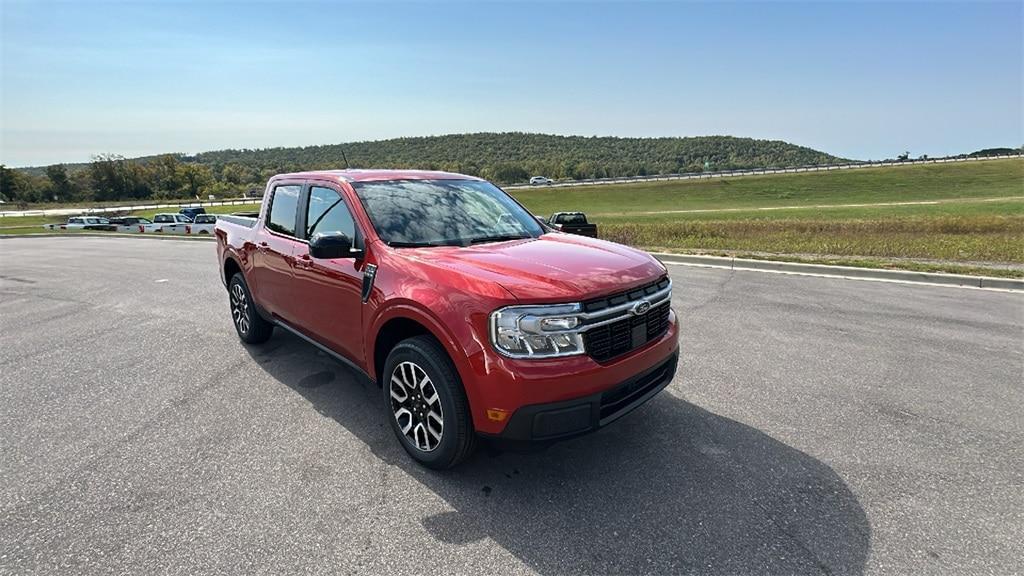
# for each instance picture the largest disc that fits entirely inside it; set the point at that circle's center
(86, 223)
(173, 223)
(538, 180)
(203, 224)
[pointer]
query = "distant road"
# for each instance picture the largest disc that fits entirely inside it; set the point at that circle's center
(567, 184)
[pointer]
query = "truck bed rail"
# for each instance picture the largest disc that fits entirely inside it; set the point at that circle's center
(246, 219)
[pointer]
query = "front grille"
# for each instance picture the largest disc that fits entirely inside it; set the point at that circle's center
(612, 340)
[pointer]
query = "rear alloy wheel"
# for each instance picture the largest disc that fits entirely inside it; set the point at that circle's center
(250, 326)
(426, 403)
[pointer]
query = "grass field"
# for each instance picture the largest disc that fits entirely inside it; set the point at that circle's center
(995, 178)
(973, 219)
(958, 217)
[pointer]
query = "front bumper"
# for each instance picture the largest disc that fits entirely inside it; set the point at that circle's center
(544, 423)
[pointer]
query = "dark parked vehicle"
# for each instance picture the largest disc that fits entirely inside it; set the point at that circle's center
(192, 212)
(573, 223)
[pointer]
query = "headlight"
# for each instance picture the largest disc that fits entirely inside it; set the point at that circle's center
(537, 331)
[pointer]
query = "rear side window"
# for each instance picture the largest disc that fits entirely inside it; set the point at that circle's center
(328, 213)
(572, 219)
(283, 206)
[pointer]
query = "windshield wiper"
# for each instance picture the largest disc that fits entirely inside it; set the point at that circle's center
(397, 244)
(498, 238)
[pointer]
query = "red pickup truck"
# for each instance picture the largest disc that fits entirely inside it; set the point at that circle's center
(476, 319)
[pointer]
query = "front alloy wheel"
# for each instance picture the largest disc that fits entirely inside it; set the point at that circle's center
(429, 411)
(417, 406)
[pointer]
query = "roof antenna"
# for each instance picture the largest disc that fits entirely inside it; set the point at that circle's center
(347, 167)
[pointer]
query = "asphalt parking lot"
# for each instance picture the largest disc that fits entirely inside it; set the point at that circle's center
(815, 426)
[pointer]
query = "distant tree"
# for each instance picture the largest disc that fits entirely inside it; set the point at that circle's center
(18, 187)
(195, 177)
(165, 176)
(9, 183)
(235, 173)
(60, 186)
(114, 178)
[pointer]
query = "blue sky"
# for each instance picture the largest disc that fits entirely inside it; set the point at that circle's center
(861, 80)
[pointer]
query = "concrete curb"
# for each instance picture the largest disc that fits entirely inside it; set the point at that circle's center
(843, 271)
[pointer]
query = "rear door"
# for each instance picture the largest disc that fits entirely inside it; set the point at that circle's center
(274, 257)
(330, 289)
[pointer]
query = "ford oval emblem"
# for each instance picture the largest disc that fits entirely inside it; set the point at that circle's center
(641, 307)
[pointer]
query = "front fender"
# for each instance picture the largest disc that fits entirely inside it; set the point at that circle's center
(456, 337)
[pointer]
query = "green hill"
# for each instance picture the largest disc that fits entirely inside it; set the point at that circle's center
(494, 154)
(501, 157)
(514, 157)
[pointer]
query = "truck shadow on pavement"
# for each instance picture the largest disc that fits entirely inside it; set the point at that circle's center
(670, 488)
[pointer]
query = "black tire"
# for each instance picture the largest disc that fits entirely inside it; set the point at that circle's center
(250, 326)
(457, 438)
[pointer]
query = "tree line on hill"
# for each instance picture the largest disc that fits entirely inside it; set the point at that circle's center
(504, 158)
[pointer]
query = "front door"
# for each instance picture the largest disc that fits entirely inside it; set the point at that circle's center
(331, 310)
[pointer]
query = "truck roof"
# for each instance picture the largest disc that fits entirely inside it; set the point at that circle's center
(355, 175)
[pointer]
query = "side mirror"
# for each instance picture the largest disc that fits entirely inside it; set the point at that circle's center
(330, 246)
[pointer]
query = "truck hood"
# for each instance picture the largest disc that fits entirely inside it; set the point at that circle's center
(551, 268)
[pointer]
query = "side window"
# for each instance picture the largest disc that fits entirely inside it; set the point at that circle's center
(328, 213)
(283, 206)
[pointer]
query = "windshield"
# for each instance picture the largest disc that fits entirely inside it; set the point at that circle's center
(409, 213)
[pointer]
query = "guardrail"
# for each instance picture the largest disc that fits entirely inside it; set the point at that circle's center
(565, 184)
